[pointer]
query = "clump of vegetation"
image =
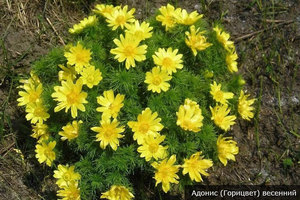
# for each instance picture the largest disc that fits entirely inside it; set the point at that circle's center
(154, 98)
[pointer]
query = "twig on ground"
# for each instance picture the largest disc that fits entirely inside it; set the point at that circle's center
(263, 30)
(275, 20)
(8, 26)
(62, 7)
(240, 179)
(8, 5)
(53, 28)
(7, 149)
(22, 14)
(10, 187)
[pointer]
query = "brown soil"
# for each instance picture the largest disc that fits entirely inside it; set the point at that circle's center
(267, 40)
(28, 29)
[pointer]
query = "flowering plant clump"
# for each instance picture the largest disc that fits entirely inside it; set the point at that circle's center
(133, 104)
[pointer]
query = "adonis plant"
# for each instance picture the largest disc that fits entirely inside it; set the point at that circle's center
(131, 105)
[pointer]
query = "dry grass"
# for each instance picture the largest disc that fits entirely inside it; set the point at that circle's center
(28, 29)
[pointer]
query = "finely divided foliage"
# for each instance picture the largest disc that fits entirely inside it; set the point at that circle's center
(152, 97)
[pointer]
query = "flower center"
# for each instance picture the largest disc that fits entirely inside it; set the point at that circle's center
(243, 108)
(218, 119)
(193, 164)
(163, 172)
(73, 194)
(108, 132)
(107, 11)
(153, 147)
(221, 149)
(193, 40)
(72, 97)
(120, 20)
(144, 128)
(48, 153)
(112, 108)
(139, 34)
(157, 80)
(199, 40)
(67, 176)
(74, 132)
(228, 60)
(90, 78)
(80, 57)
(33, 96)
(167, 62)
(219, 95)
(129, 51)
(186, 124)
(119, 193)
(188, 20)
(223, 39)
(169, 20)
(38, 111)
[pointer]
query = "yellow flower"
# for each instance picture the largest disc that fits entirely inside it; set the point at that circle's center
(166, 172)
(241, 81)
(195, 40)
(151, 148)
(218, 95)
(221, 117)
(231, 62)
(36, 112)
(245, 107)
(223, 38)
(157, 80)
(168, 59)
(117, 192)
(78, 56)
(66, 73)
(70, 131)
(128, 49)
(189, 116)
(71, 192)
(226, 149)
(120, 17)
(187, 19)
(196, 166)
(65, 175)
(69, 95)
(86, 22)
(208, 74)
(104, 9)
(32, 94)
(32, 81)
(146, 124)
(39, 130)
(110, 105)
(109, 133)
(90, 76)
(139, 31)
(43, 138)
(167, 17)
(45, 153)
